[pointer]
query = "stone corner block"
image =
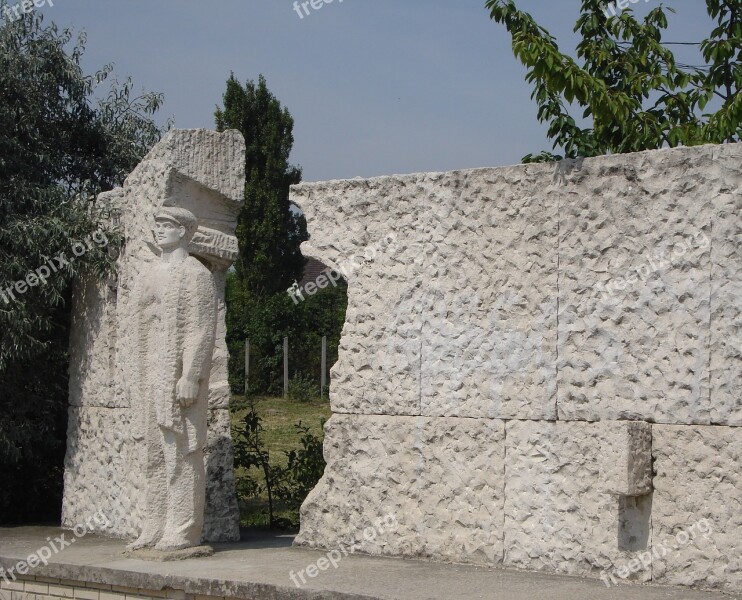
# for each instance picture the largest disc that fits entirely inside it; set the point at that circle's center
(625, 460)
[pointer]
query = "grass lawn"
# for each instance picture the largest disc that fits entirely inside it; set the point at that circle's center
(278, 419)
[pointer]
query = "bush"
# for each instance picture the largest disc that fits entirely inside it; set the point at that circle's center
(286, 487)
(302, 389)
(304, 470)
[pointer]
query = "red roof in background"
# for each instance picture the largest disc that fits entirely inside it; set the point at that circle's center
(312, 270)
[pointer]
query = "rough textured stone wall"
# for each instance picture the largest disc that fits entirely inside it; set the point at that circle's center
(543, 369)
(202, 171)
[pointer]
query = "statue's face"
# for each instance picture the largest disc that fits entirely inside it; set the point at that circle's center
(168, 234)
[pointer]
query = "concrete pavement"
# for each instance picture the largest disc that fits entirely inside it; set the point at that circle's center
(266, 566)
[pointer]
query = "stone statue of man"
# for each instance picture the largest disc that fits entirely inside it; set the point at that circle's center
(175, 330)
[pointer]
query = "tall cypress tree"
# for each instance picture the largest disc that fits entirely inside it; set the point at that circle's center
(270, 233)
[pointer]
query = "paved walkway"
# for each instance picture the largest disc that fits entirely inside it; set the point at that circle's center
(262, 568)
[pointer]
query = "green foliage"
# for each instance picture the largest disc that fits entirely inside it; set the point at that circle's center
(270, 233)
(318, 315)
(303, 389)
(267, 320)
(285, 485)
(303, 471)
(249, 452)
(59, 147)
(631, 86)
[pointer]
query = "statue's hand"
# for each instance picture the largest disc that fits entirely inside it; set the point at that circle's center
(187, 392)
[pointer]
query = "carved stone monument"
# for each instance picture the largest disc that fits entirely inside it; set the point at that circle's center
(545, 372)
(149, 429)
(175, 331)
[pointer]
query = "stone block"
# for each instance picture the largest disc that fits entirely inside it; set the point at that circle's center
(417, 473)
(625, 457)
(634, 286)
(556, 517)
(214, 161)
(63, 591)
(697, 513)
(378, 368)
(82, 593)
(154, 593)
(221, 501)
(18, 585)
(455, 314)
(726, 295)
(97, 586)
(489, 316)
(112, 596)
(219, 396)
(34, 587)
(100, 451)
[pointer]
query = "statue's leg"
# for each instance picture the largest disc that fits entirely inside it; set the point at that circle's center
(155, 490)
(186, 494)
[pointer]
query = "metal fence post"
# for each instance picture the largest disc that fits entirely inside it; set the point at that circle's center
(285, 367)
(247, 367)
(323, 377)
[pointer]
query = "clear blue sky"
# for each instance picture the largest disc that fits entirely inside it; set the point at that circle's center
(375, 86)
